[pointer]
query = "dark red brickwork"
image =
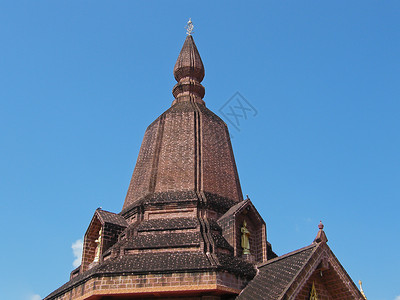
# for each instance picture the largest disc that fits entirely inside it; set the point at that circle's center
(176, 161)
(186, 148)
(219, 173)
(140, 182)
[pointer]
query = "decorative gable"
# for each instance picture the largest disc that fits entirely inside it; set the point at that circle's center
(102, 233)
(312, 272)
(245, 230)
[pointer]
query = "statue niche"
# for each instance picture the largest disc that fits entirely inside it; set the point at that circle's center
(245, 243)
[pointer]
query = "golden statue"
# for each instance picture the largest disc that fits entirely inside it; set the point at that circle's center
(97, 253)
(245, 238)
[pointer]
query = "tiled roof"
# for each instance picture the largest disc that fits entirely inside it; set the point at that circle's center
(275, 275)
(165, 240)
(109, 217)
(168, 224)
(143, 263)
(166, 261)
(236, 265)
(221, 242)
(219, 203)
(214, 225)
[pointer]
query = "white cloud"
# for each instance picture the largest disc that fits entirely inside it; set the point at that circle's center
(35, 297)
(77, 247)
(397, 298)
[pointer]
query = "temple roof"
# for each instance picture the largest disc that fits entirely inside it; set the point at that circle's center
(275, 275)
(286, 276)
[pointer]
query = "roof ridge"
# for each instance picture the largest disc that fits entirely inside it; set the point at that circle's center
(287, 255)
(234, 208)
(107, 211)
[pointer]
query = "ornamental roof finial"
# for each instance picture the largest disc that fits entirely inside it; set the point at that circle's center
(321, 236)
(189, 72)
(189, 27)
(361, 289)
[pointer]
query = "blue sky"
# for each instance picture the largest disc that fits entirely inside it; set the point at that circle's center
(81, 80)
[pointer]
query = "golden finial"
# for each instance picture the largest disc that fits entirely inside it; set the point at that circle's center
(189, 27)
(361, 289)
(313, 293)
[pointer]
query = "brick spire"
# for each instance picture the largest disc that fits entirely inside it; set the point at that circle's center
(187, 149)
(189, 72)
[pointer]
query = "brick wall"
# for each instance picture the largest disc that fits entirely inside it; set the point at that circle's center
(157, 285)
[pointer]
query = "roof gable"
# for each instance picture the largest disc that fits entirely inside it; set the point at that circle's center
(288, 276)
(111, 218)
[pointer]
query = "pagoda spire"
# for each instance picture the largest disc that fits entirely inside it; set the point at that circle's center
(189, 72)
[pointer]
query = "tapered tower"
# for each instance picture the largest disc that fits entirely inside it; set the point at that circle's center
(179, 230)
(187, 149)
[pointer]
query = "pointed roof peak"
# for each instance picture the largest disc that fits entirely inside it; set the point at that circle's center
(321, 236)
(189, 72)
(189, 63)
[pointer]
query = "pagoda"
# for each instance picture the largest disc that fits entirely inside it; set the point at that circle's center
(185, 231)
